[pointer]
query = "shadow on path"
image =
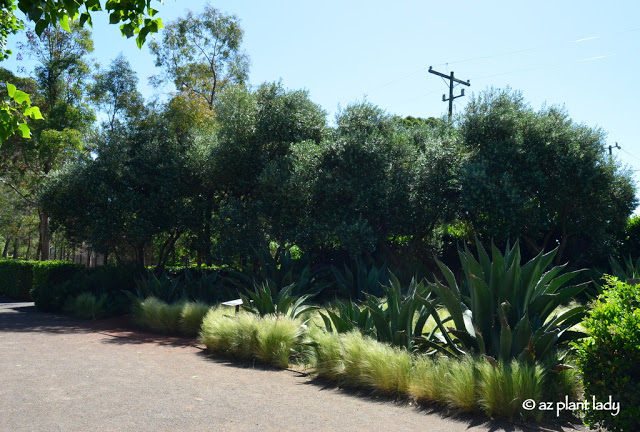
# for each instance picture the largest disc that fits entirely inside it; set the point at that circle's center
(24, 317)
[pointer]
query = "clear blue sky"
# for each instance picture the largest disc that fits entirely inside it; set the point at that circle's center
(584, 55)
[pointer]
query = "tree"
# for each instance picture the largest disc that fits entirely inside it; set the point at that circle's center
(542, 178)
(115, 90)
(201, 54)
(138, 186)
(136, 17)
(371, 187)
(59, 76)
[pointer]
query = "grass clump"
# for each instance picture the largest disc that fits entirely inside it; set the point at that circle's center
(270, 339)
(88, 306)
(158, 316)
(191, 317)
(504, 387)
(357, 360)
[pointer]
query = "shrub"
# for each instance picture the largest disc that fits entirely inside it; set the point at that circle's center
(16, 278)
(51, 284)
(610, 357)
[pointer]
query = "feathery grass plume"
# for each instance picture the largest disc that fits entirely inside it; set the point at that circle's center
(276, 337)
(191, 317)
(502, 388)
(158, 316)
(327, 354)
(88, 306)
(427, 379)
(388, 369)
(459, 382)
(375, 365)
(354, 348)
(230, 336)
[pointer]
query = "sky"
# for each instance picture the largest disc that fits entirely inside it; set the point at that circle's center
(583, 55)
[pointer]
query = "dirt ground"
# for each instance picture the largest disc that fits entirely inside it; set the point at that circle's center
(62, 374)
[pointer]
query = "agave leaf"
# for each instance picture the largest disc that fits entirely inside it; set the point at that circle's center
(450, 278)
(327, 322)
(521, 334)
(451, 303)
(561, 280)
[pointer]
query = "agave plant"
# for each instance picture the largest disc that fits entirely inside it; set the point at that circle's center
(360, 279)
(280, 271)
(400, 319)
(348, 316)
(629, 269)
(164, 287)
(503, 309)
(263, 300)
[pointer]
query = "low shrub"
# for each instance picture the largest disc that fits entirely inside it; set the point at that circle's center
(53, 291)
(609, 358)
(270, 339)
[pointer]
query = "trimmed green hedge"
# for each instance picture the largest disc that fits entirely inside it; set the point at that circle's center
(26, 280)
(16, 278)
(47, 275)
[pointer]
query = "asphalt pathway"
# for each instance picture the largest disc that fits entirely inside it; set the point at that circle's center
(62, 374)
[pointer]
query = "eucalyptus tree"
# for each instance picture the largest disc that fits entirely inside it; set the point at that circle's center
(59, 75)
(201, 54)
(115, 92)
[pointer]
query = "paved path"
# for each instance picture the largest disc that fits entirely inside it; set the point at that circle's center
(61, 374)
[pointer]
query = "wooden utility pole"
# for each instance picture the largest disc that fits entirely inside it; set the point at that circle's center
(451, 79)
(612, 147)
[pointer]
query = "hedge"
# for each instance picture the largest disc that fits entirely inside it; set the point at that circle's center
(24, 280)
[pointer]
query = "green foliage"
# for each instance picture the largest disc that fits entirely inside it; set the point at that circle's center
(16, 278)
(369, 183)
(265, 299)
(630, 242)
(158, 316)
(163, 288)
(46, 276)
(136, 16)
(191, 317)
(88, 306)
(346, 317)
(540, 177)
(399, 319)
(360, 279)
(280, 270)
(271, 339)
(503, 388)
(507, 310)
(609, 357)
(630, 269)
(202, 53)
(15, 108)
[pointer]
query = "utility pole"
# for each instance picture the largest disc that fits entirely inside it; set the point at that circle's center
(612, 147)
(451, 79)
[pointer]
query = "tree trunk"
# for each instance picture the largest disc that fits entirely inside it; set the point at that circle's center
(45, 239)
(15, 249)
(28, 247)
(5, 250)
